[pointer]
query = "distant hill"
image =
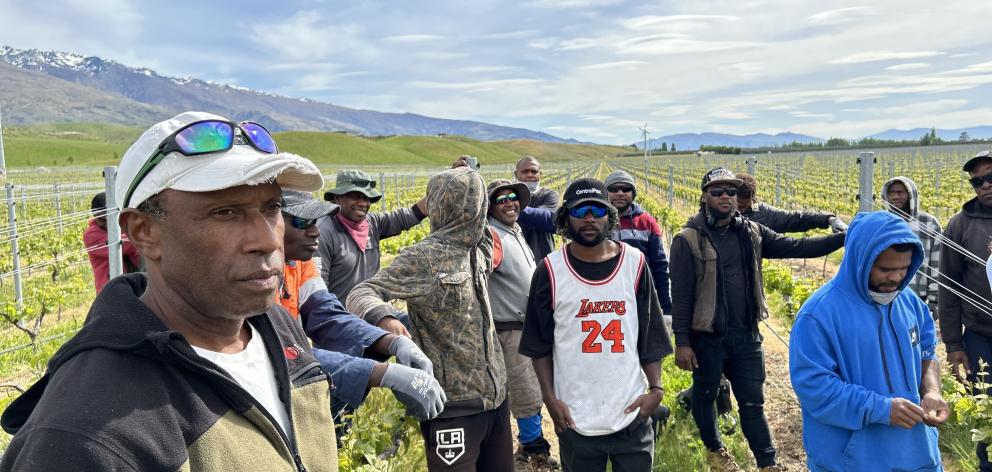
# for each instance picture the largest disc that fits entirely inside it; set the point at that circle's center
(49, 86)
(692, 141)
(103, 144)
(975, 132)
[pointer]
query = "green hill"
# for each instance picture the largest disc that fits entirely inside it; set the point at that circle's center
(103, 144)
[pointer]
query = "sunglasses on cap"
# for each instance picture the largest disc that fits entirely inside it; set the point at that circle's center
(510, 197)
(620, 188)
(980, 180)
(205, 137)
(597, 211)
(300, 223)
(718, 192)
(363, 183)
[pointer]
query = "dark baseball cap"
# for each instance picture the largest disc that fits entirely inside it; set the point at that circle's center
(720, 175)
(303, 205)
(985, 155)
(585, 190)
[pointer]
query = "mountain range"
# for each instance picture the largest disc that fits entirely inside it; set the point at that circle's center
(52, 86)
(692, 141)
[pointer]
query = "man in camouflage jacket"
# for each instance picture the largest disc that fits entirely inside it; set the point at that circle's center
(443, 280)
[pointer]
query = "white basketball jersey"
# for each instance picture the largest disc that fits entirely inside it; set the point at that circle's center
(597, 368)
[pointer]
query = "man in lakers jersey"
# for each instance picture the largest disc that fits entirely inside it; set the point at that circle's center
(595, 332)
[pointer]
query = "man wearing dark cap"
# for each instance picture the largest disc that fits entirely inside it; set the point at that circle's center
(717, 302)
(349, 240)
(513, 267)
(342, 340)
(595, 333)
(969, 229)
(640, 230)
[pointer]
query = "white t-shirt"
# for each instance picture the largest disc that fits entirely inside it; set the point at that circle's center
(253, 370)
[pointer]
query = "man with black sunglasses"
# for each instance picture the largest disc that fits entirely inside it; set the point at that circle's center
(595, 334)
(717, 302)
(189, 366)
(342, 341)
(970, 228)
(349, 240)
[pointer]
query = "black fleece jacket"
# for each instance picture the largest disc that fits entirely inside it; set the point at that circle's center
(126, 393)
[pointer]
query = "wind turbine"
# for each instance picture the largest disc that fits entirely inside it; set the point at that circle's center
(644, 136)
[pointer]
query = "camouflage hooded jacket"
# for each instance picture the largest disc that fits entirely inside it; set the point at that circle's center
(443, 280)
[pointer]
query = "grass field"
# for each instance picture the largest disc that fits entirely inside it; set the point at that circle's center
(99, 144)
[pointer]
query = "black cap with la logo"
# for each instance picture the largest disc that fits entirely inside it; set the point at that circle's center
(585, 190)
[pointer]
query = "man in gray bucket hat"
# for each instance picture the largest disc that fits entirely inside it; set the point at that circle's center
(349, 240)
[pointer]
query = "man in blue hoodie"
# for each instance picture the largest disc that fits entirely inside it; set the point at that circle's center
(863, 360)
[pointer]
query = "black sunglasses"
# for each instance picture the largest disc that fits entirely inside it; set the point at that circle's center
(300, 223)
(718, 192)
(980, 180)
(620, 188)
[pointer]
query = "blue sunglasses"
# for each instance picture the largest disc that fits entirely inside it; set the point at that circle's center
(597, 211)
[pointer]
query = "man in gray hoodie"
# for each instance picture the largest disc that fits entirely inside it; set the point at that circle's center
(902, 198)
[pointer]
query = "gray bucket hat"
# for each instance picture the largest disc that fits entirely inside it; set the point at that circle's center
(303, 205)
(523, 193)
(354, 180)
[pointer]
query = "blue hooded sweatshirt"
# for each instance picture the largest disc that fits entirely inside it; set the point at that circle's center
(849, 356)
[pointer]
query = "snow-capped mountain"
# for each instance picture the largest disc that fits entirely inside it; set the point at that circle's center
(54, 86)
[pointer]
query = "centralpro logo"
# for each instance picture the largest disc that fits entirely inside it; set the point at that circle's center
(588, 190)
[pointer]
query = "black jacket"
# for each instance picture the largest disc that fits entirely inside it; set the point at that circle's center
(785, 221)
(126, 393)
(969, 228)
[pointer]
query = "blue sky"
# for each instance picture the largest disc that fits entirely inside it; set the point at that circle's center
(593, 70)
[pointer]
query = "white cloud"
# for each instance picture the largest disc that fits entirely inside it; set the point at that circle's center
(875, 56)
(909, 66)
(841, 16)
(806, 114)
(670, 20)
(412, 38)
(569, 4)
(577, 43)
(476, 85)
(308, 36)
(509, 35)
(615, 65)
(586, 131)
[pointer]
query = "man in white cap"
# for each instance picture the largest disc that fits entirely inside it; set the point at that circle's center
(190, 366)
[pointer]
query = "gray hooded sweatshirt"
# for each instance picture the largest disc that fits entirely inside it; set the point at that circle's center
(924, 283)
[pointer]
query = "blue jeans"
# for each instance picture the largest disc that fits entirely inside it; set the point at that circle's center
(739, 357)
(979, 348)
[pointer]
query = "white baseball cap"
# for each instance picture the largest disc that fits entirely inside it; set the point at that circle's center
(240, 165)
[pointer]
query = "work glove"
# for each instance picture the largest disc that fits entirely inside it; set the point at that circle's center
(838, 225)
(408, 354)
(419, 392)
